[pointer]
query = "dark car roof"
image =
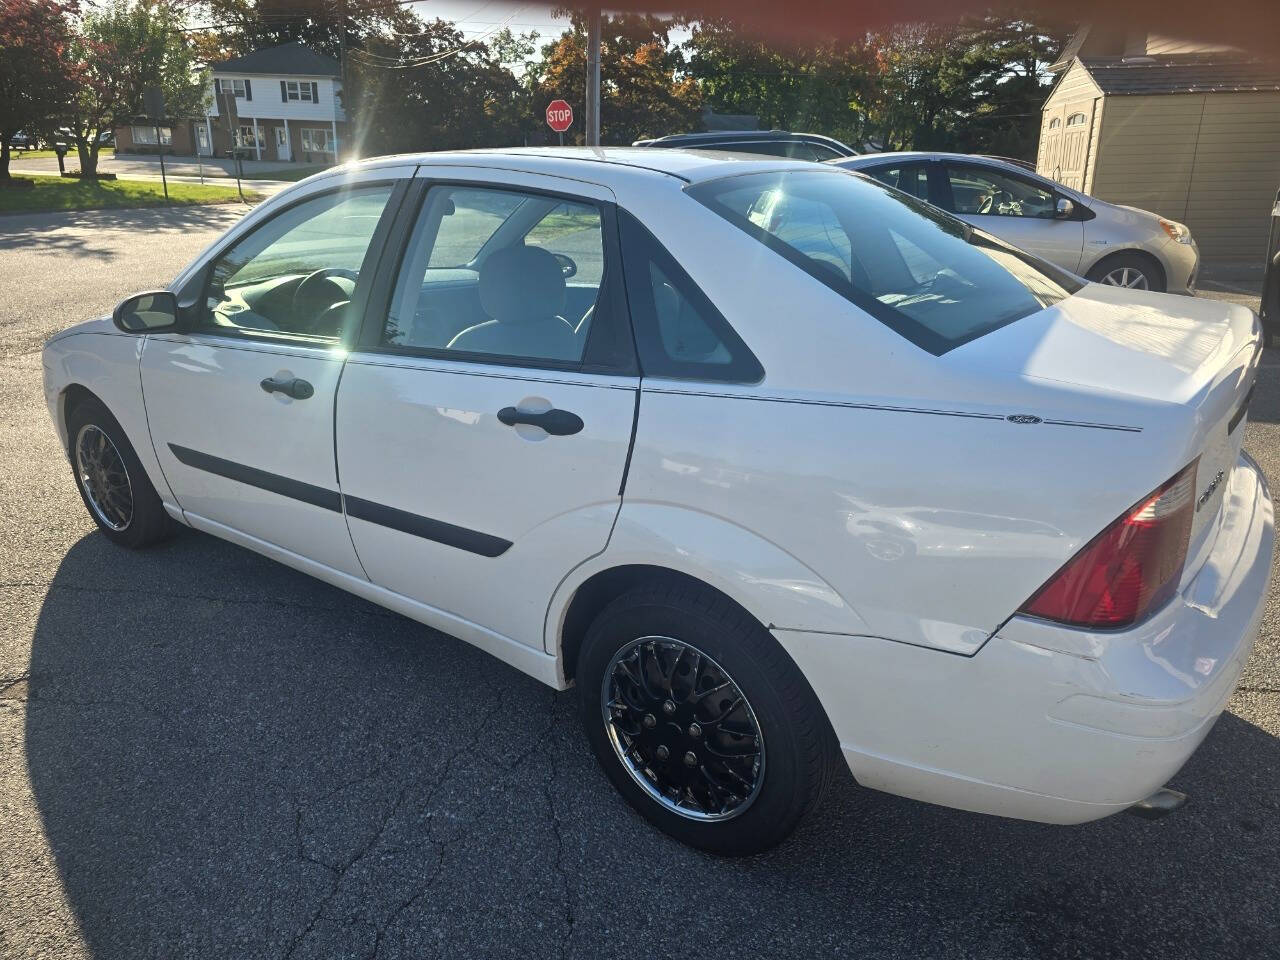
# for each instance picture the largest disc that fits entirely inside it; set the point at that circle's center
(717, 137)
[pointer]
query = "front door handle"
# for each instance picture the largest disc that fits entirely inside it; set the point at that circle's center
(297, 388)
(559, 423)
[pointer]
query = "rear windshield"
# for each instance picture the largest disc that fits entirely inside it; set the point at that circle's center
(932, 278)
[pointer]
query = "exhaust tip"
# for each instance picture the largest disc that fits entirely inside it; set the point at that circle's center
(1160, 804)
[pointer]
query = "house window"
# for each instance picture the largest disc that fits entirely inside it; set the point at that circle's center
(1075, 119)
(245, 138)
(236, 87)
(317, 141)
(303, 91)
(145, 136)
(1055, 123)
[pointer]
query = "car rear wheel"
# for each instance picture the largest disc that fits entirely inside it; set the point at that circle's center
(701, 721)
(111, 480)
(1128, 270)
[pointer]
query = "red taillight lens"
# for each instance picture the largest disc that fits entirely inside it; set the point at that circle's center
(1131, 567)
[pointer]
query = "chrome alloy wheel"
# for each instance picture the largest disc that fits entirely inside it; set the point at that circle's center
(1130, 277)
(104, 477)
(683, 729)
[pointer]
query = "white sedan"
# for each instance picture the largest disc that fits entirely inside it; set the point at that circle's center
(774, 463)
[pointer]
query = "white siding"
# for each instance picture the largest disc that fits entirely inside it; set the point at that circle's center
(266, 103)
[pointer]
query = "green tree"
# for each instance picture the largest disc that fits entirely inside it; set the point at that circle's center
(429, 88)
(35, 75)
(817, 89)
(121, 49)
(975, 86)
(645, 90)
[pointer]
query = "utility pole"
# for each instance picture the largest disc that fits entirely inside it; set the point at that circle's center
(342, 70)
(592, 128)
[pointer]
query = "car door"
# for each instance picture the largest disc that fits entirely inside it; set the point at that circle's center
(484, 420)
(1019, 210)
(240, 405)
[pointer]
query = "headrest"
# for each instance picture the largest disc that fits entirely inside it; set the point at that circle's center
(519, 284)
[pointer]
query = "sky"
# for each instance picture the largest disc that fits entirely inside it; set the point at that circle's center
(479, 18)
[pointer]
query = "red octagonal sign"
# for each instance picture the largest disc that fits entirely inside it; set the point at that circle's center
(559, 116)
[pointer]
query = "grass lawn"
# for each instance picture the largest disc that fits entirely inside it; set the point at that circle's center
(58, 193)
(290, 174)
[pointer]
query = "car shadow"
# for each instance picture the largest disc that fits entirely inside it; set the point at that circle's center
(232, 759)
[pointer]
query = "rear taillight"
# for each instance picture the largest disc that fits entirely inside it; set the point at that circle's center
(1130, 568)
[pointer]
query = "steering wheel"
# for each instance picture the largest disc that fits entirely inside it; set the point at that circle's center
(317, 294)
(989, 201)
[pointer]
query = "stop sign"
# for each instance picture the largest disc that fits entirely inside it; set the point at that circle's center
(559, 116)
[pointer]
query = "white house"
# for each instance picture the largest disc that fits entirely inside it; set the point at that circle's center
(282, 103)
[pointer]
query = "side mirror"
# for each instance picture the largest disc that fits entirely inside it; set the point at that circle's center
(567, 266)
(155, 311)
(1064, 209)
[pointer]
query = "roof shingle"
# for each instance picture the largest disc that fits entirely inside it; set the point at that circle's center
(288, 59)
(1223, 72)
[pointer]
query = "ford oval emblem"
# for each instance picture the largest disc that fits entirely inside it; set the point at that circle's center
(1023, 418)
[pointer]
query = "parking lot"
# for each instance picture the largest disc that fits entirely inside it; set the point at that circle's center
(203, 753)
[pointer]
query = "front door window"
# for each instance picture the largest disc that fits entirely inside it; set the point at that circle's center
(982, 191)
(297, 273)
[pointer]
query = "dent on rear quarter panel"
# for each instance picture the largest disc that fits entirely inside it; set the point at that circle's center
(107, 365)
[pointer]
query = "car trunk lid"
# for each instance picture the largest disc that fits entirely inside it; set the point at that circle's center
(1152, 349)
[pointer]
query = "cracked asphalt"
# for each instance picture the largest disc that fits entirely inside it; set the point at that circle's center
(204, 754)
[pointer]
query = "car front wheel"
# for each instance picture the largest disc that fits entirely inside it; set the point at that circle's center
(111, 480)
(701, 720)
(1128, 270)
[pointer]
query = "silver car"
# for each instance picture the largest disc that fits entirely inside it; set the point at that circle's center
(1104, 242)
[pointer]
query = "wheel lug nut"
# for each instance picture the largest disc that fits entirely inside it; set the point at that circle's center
(695, 731)
(668, 708)
(662, 752)
(690, 759)
(650, 721)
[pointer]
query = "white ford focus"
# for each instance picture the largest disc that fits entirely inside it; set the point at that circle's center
(774, 462)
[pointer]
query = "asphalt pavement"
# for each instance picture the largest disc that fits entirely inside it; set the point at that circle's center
(205, 754)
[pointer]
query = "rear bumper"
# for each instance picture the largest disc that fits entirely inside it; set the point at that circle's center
(1047, 723)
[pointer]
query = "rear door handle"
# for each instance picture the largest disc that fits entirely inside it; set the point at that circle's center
(559, 423)
(297, 388)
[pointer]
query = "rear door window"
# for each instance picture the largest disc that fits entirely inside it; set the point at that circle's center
(501, 274)
(912, 178)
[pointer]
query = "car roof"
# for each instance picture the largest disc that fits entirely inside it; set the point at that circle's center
(608, 166)
(711, 136)
(874, 159)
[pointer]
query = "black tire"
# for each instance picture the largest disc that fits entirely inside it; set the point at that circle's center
(799, 749)
(1114, 266)
(146, 522)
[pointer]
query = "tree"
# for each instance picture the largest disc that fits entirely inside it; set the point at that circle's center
(976, 86)
(644, 89)
(328, 26)
(123, 48)
(35, 82)
(817, 89)
(429, 88)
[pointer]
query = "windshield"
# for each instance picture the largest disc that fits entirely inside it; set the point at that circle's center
(930, 277)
